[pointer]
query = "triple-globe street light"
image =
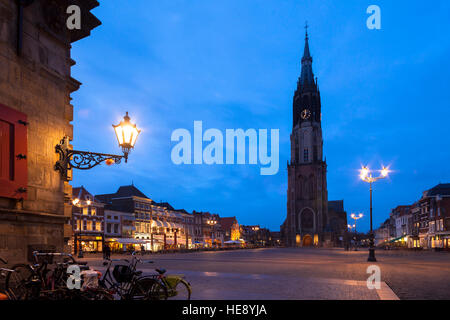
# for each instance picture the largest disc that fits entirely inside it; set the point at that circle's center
(366, 175)
(356, 217)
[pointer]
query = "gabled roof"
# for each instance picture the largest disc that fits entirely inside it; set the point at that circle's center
(226, 223)
(129, 191)
(82, 194)
(442, 189)
(165, 205)
(122, 192)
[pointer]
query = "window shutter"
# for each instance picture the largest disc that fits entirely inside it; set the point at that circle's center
(13, 153)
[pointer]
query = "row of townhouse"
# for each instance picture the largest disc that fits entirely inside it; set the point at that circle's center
(129, 220)
(424, 224)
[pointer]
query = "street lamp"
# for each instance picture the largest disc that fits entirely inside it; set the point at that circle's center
(126, 134)
(356, 217)
(366, 175)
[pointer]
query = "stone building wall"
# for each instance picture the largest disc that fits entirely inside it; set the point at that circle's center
(38, 83)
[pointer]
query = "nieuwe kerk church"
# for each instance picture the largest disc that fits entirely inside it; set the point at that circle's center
(311, 218)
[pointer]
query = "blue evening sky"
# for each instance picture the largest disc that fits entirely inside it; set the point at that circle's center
(234, 64)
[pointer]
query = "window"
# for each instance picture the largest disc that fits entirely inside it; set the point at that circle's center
(85, 210)
(84, 225)
(305, 155)
(116, 228)
(108, 228)
(13, 153)
(93, 211)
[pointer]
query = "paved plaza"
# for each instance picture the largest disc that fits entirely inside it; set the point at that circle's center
(301, 273)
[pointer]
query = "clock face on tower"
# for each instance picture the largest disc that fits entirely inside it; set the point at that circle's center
(305, 114)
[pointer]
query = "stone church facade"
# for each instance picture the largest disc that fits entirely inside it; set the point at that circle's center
(35, 114)
(308, 221)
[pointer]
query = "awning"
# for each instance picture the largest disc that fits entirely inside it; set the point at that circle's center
(232, 242)
(167, 224)
(159, 223)
(128, 240)
(396, 239)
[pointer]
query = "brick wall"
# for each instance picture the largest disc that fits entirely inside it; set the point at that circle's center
(37, 83)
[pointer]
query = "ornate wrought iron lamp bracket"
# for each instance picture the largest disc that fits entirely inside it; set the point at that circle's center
(83, 160)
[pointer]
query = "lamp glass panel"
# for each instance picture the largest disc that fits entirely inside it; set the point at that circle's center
(127, 133)
(119, 134)
(134, 137)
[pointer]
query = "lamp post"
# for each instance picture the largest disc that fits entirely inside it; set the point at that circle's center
(350, 227)
(367, 176)
(126, 133)
(212, 223)
(356, 218)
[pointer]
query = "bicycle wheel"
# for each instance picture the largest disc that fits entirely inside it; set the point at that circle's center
(96, 295)
(148, 289)
(22, 283)
(182, 291)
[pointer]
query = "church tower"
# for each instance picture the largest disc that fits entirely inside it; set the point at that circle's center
(307, 205)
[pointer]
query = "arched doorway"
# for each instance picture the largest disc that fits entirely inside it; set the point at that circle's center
(307, 241)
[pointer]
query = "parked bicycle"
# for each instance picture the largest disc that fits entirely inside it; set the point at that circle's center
(40, 282)
(128, 283)
(177, 287)
(5, 294)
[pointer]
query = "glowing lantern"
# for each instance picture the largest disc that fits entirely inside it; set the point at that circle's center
(127, 134)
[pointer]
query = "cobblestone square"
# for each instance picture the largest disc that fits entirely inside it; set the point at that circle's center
(297, 274)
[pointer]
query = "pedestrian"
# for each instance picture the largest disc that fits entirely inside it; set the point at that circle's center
(142, 249)
(106, 252)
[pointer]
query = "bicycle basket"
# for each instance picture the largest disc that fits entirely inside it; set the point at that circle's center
(122, 273)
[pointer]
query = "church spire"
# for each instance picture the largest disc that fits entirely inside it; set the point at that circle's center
(306, 53)
(307, 76)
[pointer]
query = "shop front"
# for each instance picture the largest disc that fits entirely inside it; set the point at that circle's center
(88, 242)
(119, 245)
(440, 240)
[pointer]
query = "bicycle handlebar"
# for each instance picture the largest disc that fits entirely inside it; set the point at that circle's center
(57, 254)
(37, 253)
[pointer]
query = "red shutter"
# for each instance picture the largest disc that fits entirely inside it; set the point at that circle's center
(13, 153)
